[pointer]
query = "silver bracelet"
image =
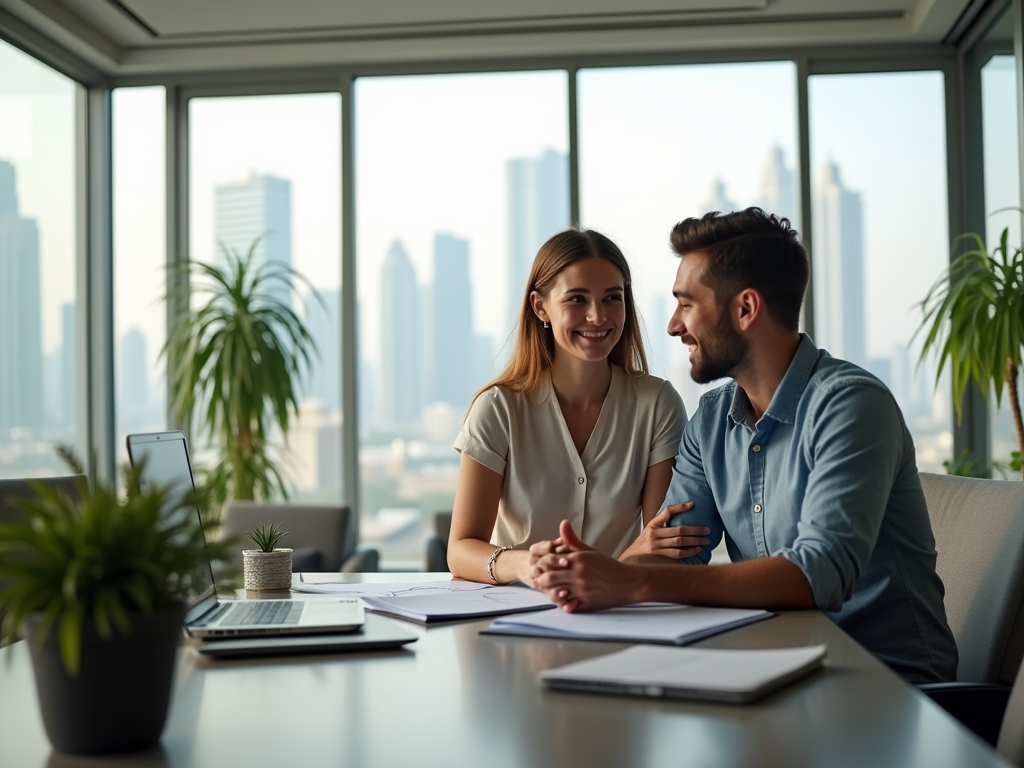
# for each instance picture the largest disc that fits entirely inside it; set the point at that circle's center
(494, 556)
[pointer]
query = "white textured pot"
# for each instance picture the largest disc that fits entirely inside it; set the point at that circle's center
(263, 571)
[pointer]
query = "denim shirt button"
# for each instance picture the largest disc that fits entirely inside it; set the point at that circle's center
(757, 507)
(756, 449)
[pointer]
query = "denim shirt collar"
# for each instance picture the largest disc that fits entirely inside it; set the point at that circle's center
(782, 408)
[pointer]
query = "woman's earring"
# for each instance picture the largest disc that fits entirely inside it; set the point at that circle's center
(546, 325)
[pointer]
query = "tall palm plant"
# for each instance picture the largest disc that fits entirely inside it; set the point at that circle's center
(974, 319)
(236, 357)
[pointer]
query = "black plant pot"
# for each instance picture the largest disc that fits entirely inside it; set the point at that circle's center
(119, 700)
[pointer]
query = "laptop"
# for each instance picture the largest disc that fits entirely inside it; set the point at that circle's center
(167, 463)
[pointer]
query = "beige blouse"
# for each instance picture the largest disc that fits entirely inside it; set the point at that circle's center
(524, 438)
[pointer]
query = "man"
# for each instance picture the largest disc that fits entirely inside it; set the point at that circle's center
(803, 462)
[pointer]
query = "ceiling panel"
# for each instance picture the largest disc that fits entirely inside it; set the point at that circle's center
(146, 37)
(183, 18)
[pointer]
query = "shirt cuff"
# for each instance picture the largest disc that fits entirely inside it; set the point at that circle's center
(480, 453)
(822, 576)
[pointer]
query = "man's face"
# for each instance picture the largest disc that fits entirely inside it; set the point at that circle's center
(716, 348)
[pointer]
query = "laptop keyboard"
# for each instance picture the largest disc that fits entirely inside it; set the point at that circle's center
(264, 612)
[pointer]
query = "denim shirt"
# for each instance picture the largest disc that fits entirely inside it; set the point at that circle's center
(827, 479)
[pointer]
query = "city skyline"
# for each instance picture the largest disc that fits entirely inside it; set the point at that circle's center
(21, 347)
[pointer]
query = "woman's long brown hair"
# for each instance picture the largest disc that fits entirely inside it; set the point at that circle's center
(535, 346)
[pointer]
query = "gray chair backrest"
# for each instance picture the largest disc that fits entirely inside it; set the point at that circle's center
(323, 526)
(13, 491)
(979, 538)
(1011, 735)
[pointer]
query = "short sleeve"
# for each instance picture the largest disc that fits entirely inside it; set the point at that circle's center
(669, 421)
(484, 436)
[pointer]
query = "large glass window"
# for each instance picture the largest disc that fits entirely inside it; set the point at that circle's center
(140, 313)
(265, 172)
(459, 179)
(881, 238)
(1002, 180)
(39, 380)
(660, 144)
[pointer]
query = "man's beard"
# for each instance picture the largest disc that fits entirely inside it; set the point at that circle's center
(719, 354)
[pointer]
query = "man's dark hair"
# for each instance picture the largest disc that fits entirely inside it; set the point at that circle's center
(750, 249)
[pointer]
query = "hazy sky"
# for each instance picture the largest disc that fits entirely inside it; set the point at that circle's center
(37, 135)
(886, 132)
(431, 156)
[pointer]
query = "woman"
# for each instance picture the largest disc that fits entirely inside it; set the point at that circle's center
(573, 428)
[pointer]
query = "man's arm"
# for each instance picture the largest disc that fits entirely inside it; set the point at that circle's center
(855, 442)
(690, 486)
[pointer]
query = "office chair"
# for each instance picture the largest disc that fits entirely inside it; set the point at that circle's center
(13, 491)
(320, 536)
(437, 542)
(979, 538)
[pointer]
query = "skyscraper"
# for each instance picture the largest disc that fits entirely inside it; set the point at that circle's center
(399, 384)
(67, 380)
(258, 208)
(449, 359)
(134, 389)
(717, 200)
(538, 207)
(839, 266)
(777, 191)
(21, 347)
(324, 323)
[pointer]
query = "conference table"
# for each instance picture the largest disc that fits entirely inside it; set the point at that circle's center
(457, 698)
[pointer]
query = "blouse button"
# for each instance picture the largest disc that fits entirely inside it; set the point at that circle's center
(757, 507)
(757, 449)
(579, 480)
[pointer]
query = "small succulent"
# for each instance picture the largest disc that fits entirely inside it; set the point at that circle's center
(266, 536)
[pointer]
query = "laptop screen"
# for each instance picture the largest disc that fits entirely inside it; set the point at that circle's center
(167, 463)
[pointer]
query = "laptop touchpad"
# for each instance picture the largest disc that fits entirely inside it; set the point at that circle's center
(333, 612)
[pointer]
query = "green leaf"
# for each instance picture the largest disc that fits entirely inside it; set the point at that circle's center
(972, 319)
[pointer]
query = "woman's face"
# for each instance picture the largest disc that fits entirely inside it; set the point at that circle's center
(586, 308)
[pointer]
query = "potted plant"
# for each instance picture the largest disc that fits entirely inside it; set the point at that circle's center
(236, 360)
(98, 586)
(973, 318)
(266, 567)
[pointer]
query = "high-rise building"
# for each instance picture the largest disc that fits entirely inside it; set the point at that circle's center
(65, 411)
(323, 319)
(257, 209)
(538, 207)
(134, 389)
(399, 385)
(485, 364)
(660, 346)
(449, 358)
(21, 346)
(778, 194)
(717, 200)
(839, 265)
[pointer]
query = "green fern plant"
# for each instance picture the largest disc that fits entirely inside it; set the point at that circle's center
(266, 536)
(236, 360)
(973, 318)
(100, 558)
